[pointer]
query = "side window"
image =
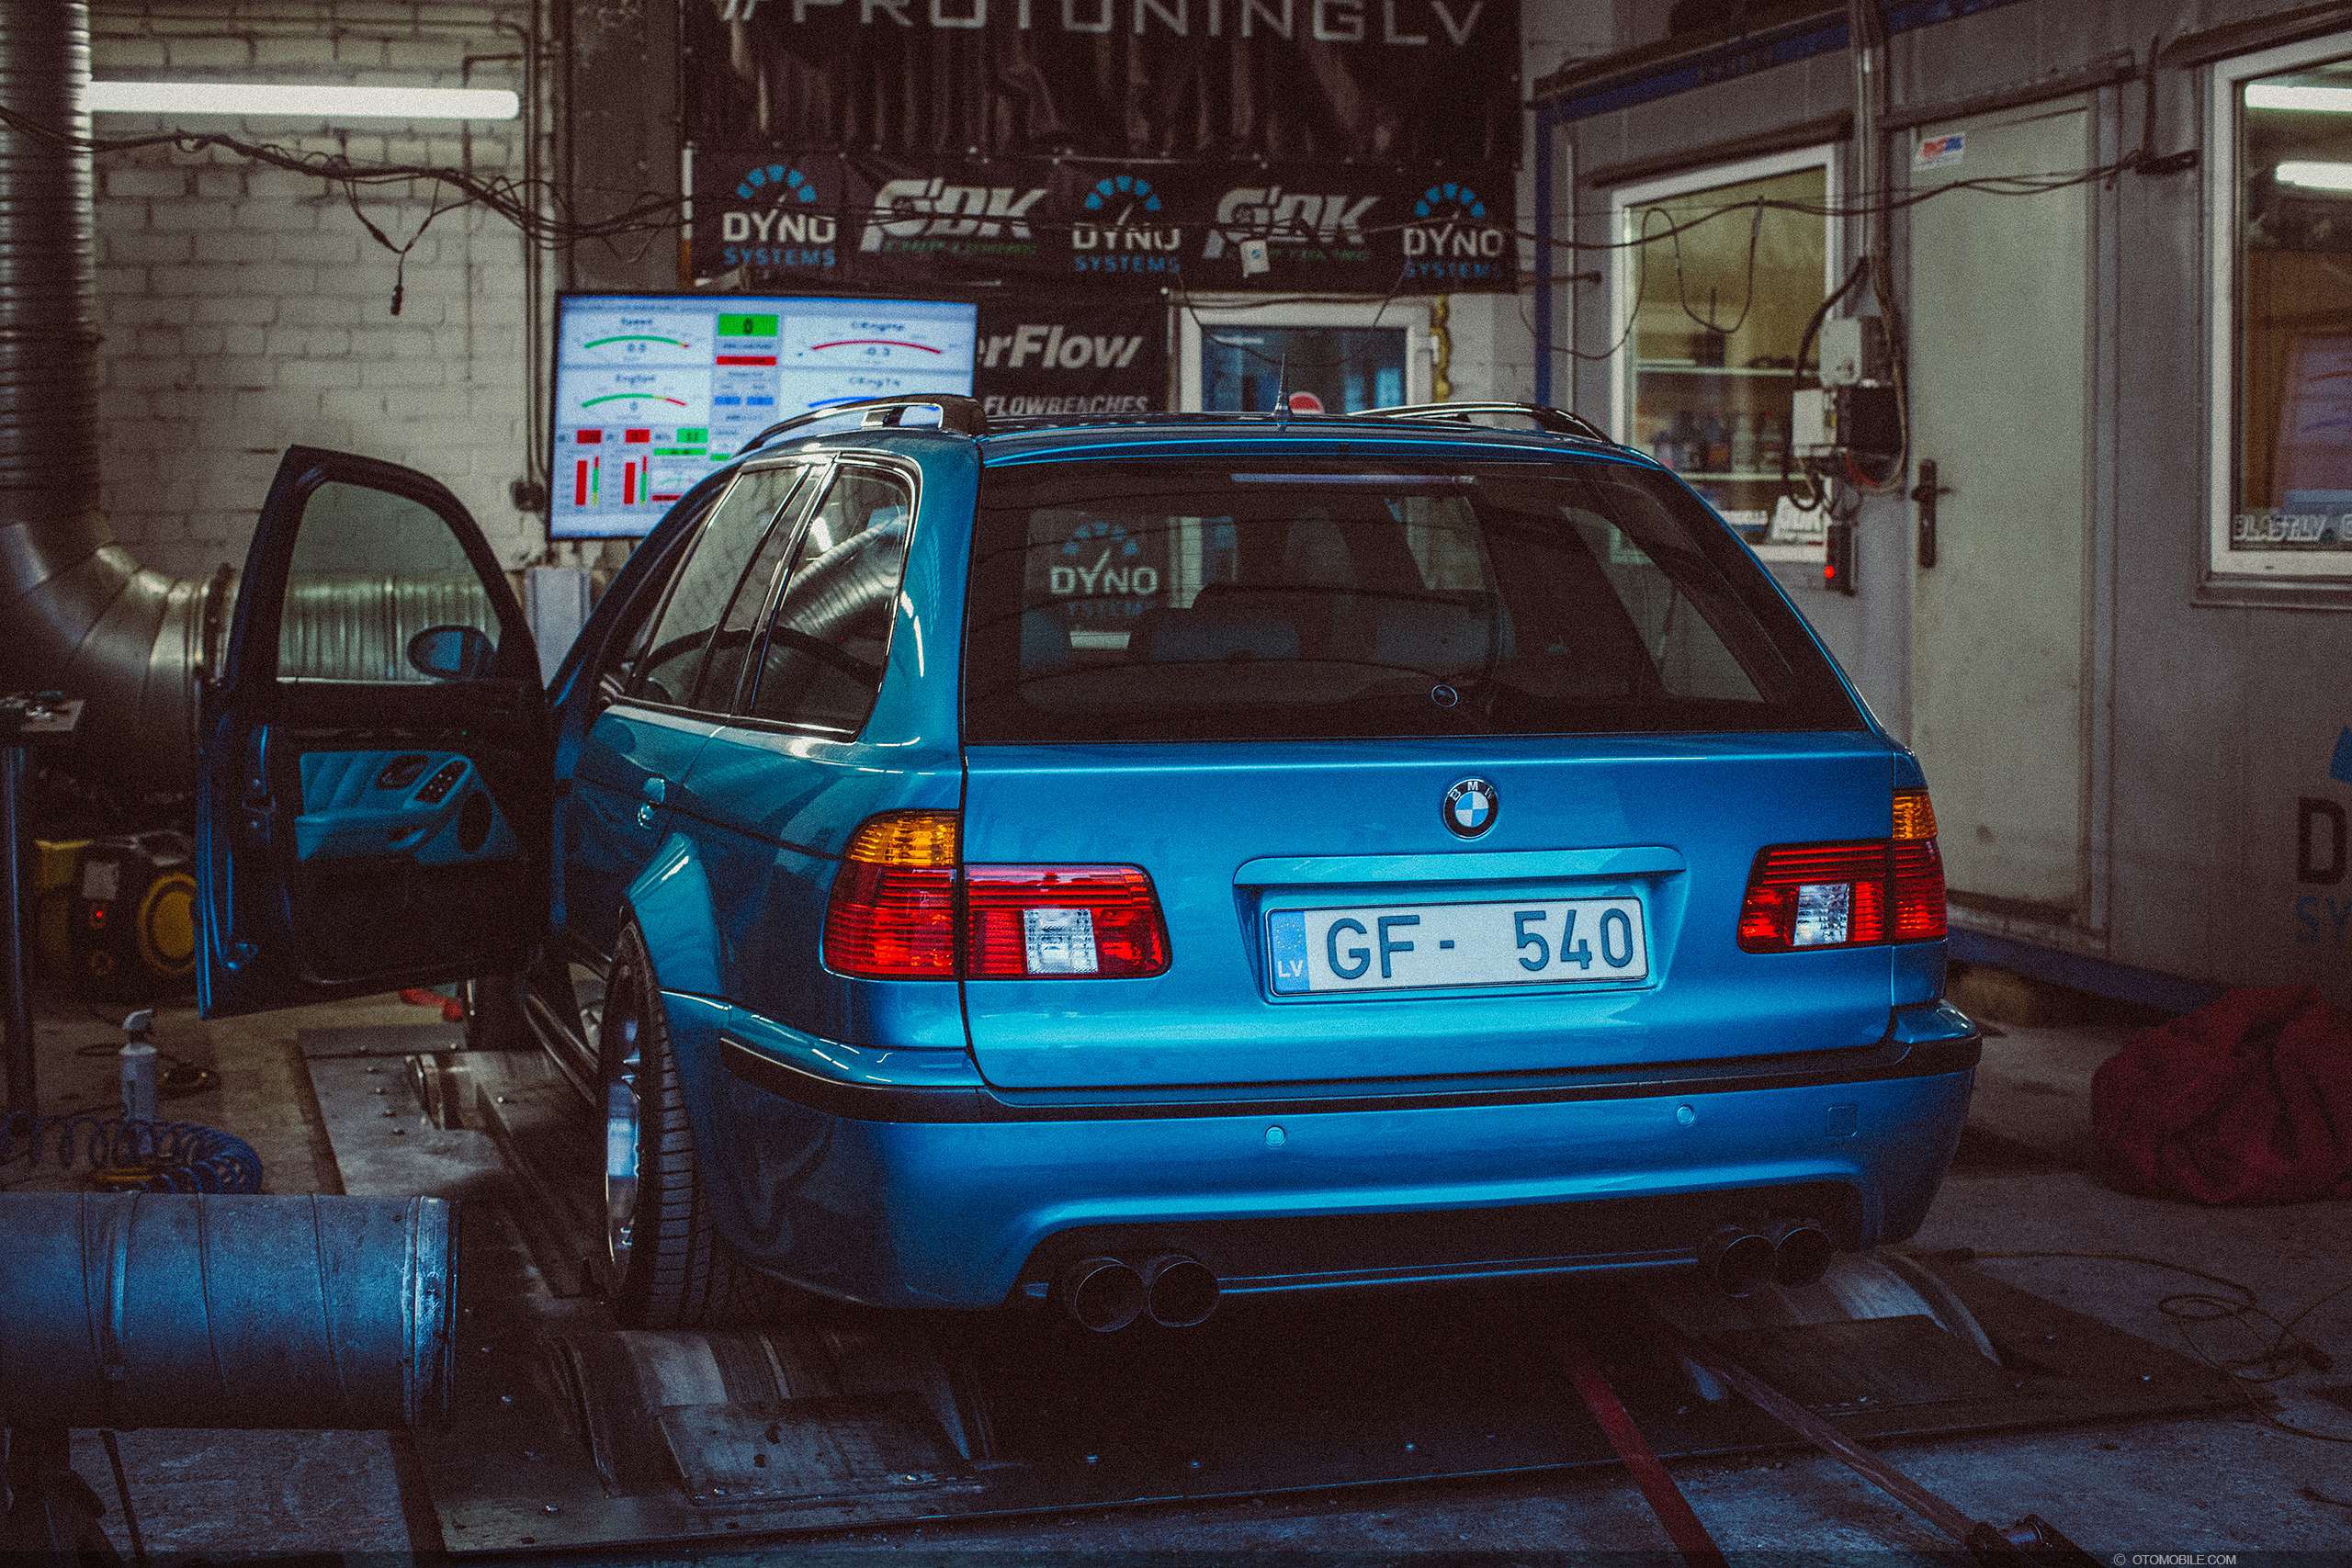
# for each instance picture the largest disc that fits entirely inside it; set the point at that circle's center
(733, 644)
(672, 660)
(371, 569)
(830, 635)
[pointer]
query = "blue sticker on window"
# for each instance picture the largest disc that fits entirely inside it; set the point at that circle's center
(1286, 942)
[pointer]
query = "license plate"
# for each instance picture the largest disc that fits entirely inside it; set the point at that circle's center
(1388, 947)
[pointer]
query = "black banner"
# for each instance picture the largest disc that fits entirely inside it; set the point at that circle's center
(1424, 82)
(1060, 356)
(1086, 228)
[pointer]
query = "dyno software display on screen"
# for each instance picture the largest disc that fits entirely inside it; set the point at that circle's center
(652, 391)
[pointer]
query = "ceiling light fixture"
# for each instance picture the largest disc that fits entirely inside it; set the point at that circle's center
(255, 98)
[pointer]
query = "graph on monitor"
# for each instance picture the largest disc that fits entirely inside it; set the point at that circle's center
(653, 391)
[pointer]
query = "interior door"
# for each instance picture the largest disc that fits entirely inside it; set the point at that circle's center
(1999, 372)
(374, 775)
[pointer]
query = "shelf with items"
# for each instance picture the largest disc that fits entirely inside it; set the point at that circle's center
(1687, 368)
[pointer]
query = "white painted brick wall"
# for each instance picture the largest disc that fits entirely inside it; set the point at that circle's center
(246, 309)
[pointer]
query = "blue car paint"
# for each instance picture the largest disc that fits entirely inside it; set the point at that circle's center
(345, 811)
(1190, 815)
(929, 1214)
(915, 1213)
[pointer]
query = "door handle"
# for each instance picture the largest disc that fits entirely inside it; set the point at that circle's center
(654, 789)
(1924, 496)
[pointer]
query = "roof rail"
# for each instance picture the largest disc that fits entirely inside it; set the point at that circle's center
(960, 415)
(1550, 421)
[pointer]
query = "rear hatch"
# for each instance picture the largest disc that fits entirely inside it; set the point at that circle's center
(1437, 769)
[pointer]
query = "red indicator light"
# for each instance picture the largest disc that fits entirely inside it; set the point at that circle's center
(746, 359)
(97, 916)
(590, 438)
(580, 482)
(638, 435)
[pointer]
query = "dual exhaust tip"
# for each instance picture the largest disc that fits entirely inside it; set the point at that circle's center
(1744, 1258)
(1106, 1294)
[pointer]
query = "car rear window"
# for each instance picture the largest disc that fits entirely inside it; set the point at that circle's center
(1286, 598)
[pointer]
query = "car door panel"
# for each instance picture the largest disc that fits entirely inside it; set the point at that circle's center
(369, 819)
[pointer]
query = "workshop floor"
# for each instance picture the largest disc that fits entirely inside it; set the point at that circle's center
(2208, 1486)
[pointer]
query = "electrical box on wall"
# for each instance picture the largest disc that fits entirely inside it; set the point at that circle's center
(1853, 352)
(1825, 421)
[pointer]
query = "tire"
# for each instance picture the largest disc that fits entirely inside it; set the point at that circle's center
(667, 1266)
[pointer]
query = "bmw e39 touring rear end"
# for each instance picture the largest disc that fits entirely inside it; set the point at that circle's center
(1124, 864)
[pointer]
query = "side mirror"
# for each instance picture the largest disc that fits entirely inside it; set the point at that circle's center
(452, 653)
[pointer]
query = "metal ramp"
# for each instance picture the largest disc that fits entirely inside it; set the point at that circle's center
(569, 1432)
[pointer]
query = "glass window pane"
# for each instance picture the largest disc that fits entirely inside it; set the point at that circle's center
(830, 637)
(1165, 601)
(1336, 370)
(371, 569)
(2294, 488)
(1714, 339)
(733, 643)
(673, 658)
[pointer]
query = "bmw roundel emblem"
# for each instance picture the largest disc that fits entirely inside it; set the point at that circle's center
(1470, 808)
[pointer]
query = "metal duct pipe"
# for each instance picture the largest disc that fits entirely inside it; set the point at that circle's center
(79, 613)
(139, 1310)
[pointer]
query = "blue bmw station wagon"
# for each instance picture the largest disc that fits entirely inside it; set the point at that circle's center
(1118, 864)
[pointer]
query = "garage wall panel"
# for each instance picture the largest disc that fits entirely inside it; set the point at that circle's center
(246, 309)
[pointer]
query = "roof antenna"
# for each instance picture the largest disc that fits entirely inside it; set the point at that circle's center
(1281, 392)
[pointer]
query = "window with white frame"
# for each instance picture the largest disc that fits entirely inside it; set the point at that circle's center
(2281, 153)
(1720, 270)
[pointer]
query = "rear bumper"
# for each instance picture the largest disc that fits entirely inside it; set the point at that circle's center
(899, 1194)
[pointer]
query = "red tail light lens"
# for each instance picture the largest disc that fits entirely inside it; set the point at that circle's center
(1858, 894)
(895, 908)
(1918, 892)
(1033, 921)
(892, 915)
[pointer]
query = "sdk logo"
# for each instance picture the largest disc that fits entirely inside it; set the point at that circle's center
(1448, 238)
(1129, 230)
(933, 209)
(1286, 217)
(786, 220)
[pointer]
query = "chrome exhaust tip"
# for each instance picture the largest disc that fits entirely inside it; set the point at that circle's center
(1178, 1292)
(1737, 1259)
(1802, 1251)
(1102, 1293)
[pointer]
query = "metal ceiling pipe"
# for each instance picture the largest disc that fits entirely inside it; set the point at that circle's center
(76, 612)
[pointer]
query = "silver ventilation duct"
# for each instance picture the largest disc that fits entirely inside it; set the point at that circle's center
(76, 612)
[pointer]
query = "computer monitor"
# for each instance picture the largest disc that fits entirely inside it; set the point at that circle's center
(652, 391)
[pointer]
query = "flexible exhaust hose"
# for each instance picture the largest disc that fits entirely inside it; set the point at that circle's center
(79, 614)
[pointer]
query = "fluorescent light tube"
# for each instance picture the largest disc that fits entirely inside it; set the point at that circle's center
(255, 98)
(2316, 176)
(2279, 95)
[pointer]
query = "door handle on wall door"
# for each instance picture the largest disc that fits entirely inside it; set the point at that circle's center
(1924, 496)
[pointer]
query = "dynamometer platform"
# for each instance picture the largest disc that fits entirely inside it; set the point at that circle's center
(568, 1432)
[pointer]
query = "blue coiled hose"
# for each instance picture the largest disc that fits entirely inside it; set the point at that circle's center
(185, 1156)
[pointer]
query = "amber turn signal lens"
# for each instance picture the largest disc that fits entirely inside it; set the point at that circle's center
(905, 839)
(1915, 815)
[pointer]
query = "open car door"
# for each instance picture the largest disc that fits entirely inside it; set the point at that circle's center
(374, 777)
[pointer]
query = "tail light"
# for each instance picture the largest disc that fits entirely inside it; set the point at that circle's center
(1062, 920)
(892, 915)
(903, 895)
(1858, 894)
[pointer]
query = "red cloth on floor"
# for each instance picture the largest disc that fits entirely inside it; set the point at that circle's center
(2246, 1101)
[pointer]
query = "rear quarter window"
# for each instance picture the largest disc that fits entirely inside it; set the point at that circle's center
(1289, 598)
